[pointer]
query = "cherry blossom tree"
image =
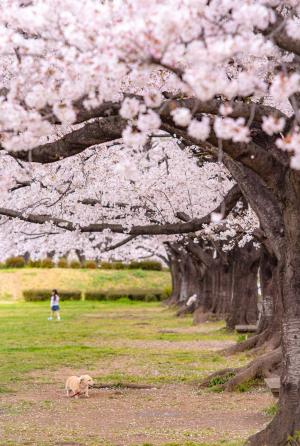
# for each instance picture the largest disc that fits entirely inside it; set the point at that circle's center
(222, 77)
(114, 191)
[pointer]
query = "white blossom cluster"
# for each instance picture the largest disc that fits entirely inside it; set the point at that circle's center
(236, 230)
(56, 62)
(61, 55)
(108, 185)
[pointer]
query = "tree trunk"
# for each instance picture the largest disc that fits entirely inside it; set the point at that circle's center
(175, 277)
(186, 273)
(191, 277)
(215, 292)
(268, 336)
(206, 292)
(222, 288)
(243, 309)
(285, 427)
(81, 256)
(269, 327)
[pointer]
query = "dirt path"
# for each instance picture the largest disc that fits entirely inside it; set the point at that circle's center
(41, 414)
(138, 346)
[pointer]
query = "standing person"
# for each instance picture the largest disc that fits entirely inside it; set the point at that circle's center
(54, 305)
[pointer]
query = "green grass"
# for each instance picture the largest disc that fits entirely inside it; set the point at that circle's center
(116, 342)
(13, 281)
(272, 410)
(91, 332)
(191, 443)
(82, 441)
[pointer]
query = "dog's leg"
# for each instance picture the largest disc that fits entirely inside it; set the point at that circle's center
(68, 392)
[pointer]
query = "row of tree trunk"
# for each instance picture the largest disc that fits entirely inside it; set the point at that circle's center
(224, 285)
(216, 285)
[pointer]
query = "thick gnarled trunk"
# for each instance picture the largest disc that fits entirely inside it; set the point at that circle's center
(243, 306)
(268, 335)
(176, 279)
(285, 427)
(225, 287)
(186, 274)
(269, 328)
(214, 294)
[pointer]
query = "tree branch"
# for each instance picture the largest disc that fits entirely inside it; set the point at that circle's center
(151, 229)
(277, 32)
(153, 253)
(212, 107)
(121, 243)
(261, 199)
(110, 128)
(249, 154)
(91, 134)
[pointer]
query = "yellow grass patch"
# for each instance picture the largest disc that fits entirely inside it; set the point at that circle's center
(13, 281)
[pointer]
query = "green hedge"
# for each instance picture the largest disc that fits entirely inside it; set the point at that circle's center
(15, 262)
(43, 263)
(106, 265)
(150, 265)
(118, 265)
(138, 295)
(47, 263)
(110, 295)
(90, 264)
(19, 262)
(34, 263)
(95, 295)
(75, 264)
(62, 263)
(42, 295)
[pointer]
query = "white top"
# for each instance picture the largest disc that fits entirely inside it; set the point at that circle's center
(54, 300)
(191, 300)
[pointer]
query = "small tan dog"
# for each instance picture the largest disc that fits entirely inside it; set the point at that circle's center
(79, 385)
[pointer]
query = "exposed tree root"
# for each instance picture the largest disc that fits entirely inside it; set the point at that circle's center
(242, 346)
(172, 301)
(200, 316)
(259, 343)
(220, 374)
(184, 309)
(262, 367)
(283, 430)
(124, 386)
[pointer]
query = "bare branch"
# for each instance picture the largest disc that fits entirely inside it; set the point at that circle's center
(154, 253)
(151, 229)
(119, 244)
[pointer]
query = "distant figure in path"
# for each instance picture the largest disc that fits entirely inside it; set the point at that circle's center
(54, 305)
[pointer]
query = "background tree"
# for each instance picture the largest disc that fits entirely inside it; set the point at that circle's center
(232, 70)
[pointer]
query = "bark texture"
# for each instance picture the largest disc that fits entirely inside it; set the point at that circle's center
(225, 286)
(286, 423)
(243, 307)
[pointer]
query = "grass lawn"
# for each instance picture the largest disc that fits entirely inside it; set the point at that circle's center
(118, 342)
(13, 281)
